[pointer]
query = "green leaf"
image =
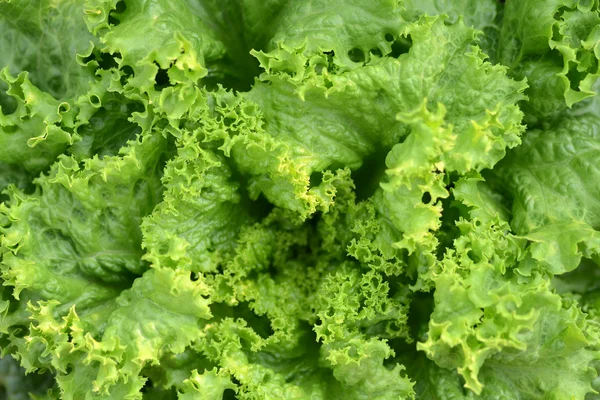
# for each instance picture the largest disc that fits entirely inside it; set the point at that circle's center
(160, 314)
(83, 256)
(354, 108)
(506, 334)
(32, 135)
(176, 39)
(197, 223)
(293, 199)
(358, 365)
(354, 30)
(551, 178)
(44, 37)
(481, 15)
(555, 45)
(206, 386)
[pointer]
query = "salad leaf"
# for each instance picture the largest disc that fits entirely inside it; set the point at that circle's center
(555, 202)
(554, 44)
(42, 38)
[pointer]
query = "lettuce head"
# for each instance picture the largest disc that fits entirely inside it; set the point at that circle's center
(299, 199)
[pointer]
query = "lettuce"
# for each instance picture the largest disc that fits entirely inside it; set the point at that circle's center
(288, 199)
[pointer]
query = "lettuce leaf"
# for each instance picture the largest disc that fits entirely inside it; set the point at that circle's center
(553, 44)
(48, 39)
(555, 202)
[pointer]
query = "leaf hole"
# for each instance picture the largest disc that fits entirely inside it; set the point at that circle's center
(401, 46)
(426, 198)
(114, 15)
(107, 61)
(229, 394)
(356, 55)
(7, 103)
(161, 80)
(575, 77)
(316, 178)
(127, 72)
(473, 256)
(376, 52)
(19, 331)
(95, 101)
(163, 248)
(228, 121)
(10, 129)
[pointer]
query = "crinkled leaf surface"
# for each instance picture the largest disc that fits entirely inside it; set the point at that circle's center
(44, 37)
(555, 45)
(552, 179)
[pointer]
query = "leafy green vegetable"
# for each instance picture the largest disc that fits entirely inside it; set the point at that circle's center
(555, 45)
(299, 199)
